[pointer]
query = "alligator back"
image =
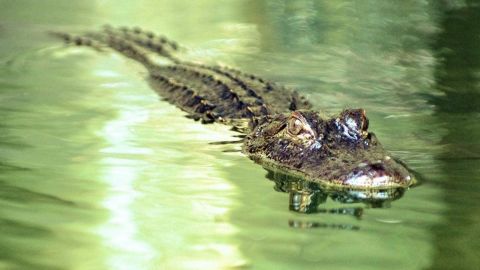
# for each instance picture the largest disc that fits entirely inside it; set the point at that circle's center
(206, 93)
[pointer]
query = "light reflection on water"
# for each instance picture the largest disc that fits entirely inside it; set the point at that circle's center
(131, 159)
(97, 171)
(120, 231)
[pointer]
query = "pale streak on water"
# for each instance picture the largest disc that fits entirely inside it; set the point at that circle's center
(121, 232)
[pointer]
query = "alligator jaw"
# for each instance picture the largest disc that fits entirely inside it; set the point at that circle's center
(365, 180)
(379, 175)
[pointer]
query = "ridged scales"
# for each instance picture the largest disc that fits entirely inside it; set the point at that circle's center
(206, 93)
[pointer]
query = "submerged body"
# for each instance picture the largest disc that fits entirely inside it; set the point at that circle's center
(282, 131)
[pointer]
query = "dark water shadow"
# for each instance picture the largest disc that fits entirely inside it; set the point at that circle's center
(289, 25)
(12, 193)
(457, 77)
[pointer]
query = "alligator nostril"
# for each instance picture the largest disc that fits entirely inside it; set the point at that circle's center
(377, 166)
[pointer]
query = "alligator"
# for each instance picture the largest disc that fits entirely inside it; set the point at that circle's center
(281, 130)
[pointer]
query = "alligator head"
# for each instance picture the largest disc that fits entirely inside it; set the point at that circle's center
(338, 152)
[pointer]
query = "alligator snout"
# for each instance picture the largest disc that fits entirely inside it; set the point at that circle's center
(381, 173)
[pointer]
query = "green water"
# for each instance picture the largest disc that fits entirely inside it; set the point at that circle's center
(97, 173)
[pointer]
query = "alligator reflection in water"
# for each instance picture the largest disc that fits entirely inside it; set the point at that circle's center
(306, 197)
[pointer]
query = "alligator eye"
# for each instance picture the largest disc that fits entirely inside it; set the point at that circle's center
(294, 126)
(298, 126)
(355, 123)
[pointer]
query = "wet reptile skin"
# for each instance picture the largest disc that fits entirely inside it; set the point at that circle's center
(282, 132)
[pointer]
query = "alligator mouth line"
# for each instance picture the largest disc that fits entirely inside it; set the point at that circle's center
(354, 181)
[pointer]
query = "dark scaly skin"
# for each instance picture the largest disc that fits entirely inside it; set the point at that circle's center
(282, 132)
(339, 149)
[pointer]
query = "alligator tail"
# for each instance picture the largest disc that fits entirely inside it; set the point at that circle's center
(132, 43)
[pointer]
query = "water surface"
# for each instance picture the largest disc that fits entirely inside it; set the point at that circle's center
(97, 173)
